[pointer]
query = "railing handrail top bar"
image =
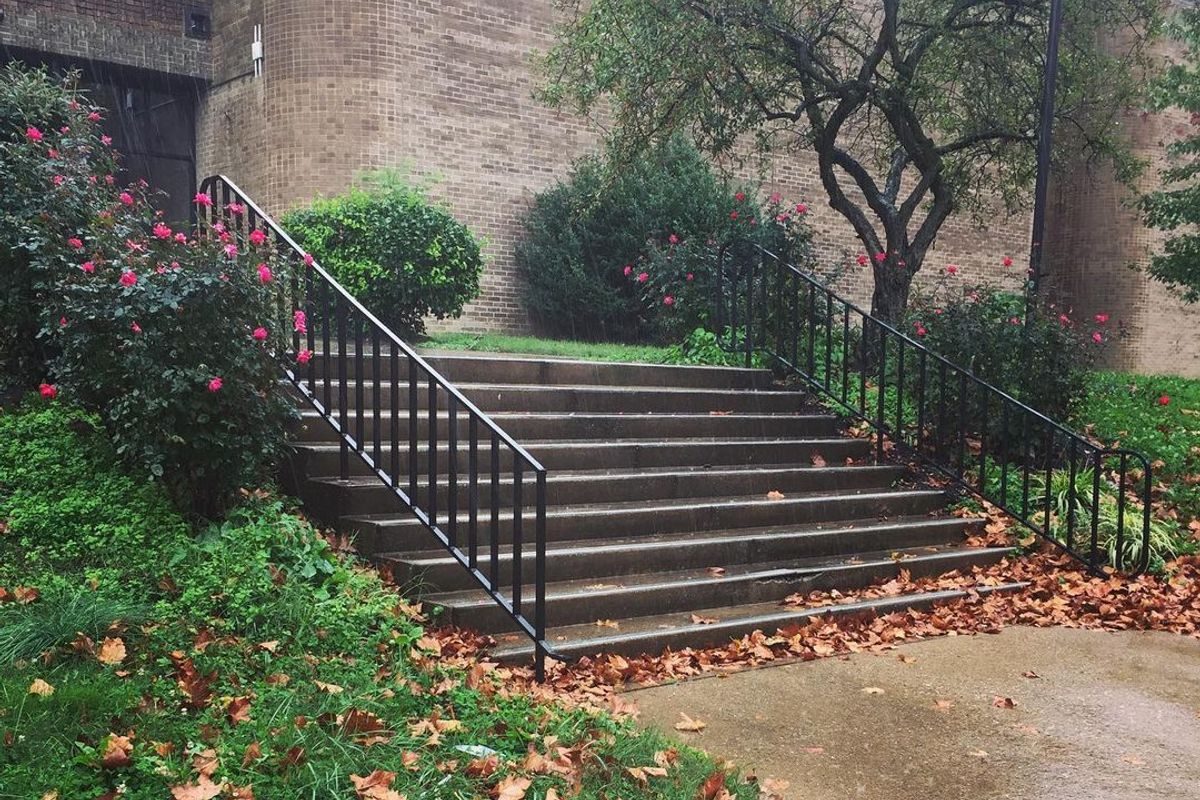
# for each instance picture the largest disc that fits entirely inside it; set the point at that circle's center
(450, 389)
(938, 357)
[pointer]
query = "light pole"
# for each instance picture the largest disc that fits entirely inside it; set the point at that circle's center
(1045, 141)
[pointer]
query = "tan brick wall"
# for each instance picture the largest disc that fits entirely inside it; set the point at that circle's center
(446, 89)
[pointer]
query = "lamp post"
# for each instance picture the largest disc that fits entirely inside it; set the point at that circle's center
(1045, 141)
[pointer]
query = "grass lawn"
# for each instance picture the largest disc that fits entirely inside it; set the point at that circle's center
(563, 348)
(143, 657)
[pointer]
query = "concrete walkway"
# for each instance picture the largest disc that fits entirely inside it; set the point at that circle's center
(1108, 715)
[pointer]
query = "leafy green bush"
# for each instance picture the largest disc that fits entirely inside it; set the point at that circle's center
(627, 252)
(71, 512)
(54, 170)
(402, 256)
(982, 329)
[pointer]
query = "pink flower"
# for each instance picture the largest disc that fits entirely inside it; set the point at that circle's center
(219, 227)
(202, 199)
(938, 311)
(161, 231)
(73, 105)
(264, 273)
(110, 180)
(643, 277)
(673, 239)
(48, 391)
(920, 329)
(1102, 318)
(128, 278)
(690, 277)
(801, 208)
(160, 270)
(260, 334)
(1097, 337)
(126, 198)
(951, 269)
(304, 356)
(62, 322)
(1008, 262)
(257, 237)
(88, 267)
(235, 208)
(215, 384)
(59, 180)
(226, 237)
(668, 300)
(135, 328)
(862, 259)
(782, 217)
(92, 180)
(75, 243)
(33, 135)
(300, 321)
(1064, 320)
(1164, 400)
(175, 265)
(733, 215)
(181, 238)
(94, 116)
(753, 222)
(105, 140)
(65, 129)
(880, 257)
(231, 250)
(52, 153)
(775, 199)
(628, 270)
(740, 197)
(1015, 320)
(308, 259)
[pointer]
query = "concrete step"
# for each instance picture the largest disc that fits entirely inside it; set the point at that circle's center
(676, 630)
(436, 570)
(645, 518)
(505, 397)
(322, 459)
(330, 498)
(629, 425)
(466, 367)
(587, 600)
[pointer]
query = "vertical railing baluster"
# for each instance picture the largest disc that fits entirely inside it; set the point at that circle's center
(984, 440)
(310, 317)
(359, 387)
(326, 347)
(394, 416)
(828, 338)
(413, 463)
(793, 349)
(962, 424)
(452, 466)
(343, 393)
(846, 354)
(472, 490)
(1026, 452)
(811, 331)
(750, 316)
(941, 439)
(880, 422)
(921, 375)
(901, 357)
(432, 451)
(1004, 452)
(518, 531)
(376, 399)
(1049, 440)
(539, 573)
(1094, 546)
(495, 538)
(1119, 556)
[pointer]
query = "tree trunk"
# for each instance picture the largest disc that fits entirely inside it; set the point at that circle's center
(892, 286)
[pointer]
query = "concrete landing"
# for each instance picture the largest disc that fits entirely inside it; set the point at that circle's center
(1111, 716)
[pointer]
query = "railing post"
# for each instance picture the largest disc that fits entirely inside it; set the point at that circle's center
(539, 577)
(343, 394)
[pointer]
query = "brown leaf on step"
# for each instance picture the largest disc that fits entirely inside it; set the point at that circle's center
(117, 751)
(716, 572)
(1004, 702)
(905, 658)
(942, 705)
(608, 623)
(112, 651)
(512, 788)
(772, 789)
(1030, 674)
(690, 725)
(818, 460)
(713, 787)
(699, 620)
(775, 495)
(358, 721)
(720, 413)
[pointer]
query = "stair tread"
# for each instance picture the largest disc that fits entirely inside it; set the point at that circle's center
(586, 415)
(427, 558)
(467, 387)
(479, 355)
(535, 444)
(642, 506)
(770, 570)
(590, 638)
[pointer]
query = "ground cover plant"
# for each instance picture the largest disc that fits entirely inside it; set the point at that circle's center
(140, 661)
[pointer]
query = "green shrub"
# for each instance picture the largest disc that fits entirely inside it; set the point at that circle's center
(54, 169)
(72, 512)
(402, 256)
(982, 329)
(626, 252)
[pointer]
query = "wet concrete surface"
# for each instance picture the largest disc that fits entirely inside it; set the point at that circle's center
(1109, 716)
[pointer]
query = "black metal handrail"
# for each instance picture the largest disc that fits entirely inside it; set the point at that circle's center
(964, 428)
(321, 312)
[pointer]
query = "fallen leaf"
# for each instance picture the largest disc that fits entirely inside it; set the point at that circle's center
(773, 788)
(512, 788)
(1030, 674)
(376, 786)
(699, 620)
(689, 725)
(202, 789)
(483, 767)
(905, 658)
(775, 495)
(818, 460)
(607, 623)
(238, 710)
(1004, 702)
(253, 753)
(331, 688)
(713, 787)
(112, 651)
(117, 752)
(978, 753)
(41, 688)
(206, 762)
(943, 704)
(716, 572)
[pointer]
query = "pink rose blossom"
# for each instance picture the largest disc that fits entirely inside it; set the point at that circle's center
(52, 153)
(951, 269)
(33, 134)
(668, 300)
(257, 237)
(304, 356)
(59, 180)
(733, 215)
(775, 199)
(1064, 320)
(65, 129)
(128, 278)
(126, 198)
(1102, 318)
(62, 322)
(1164, 400)
(135, 328)
(161, 231)
(226, 237)
(690, 277)
(202, 199)
(264, 273)
(740, 197)
(782, 217)
(92, 180)
(181, 238)
(628, 270)
(219, 227)
(308, 259)
(300, 321)
(215, 384)
(88, 267)
(110, 180)
(235, 208)
(801, 208)
(48, 391)
(73, 105)
(1008, 262)
(94, 116)
(75, 243)
(862, 259)
(105, 140)
(643, 277)
(1097, 337)
(673, 239)
(881, 257)
(260, 334)
(231, 250)
(160, 270)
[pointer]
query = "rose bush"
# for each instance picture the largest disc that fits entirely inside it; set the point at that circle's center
(170, 335)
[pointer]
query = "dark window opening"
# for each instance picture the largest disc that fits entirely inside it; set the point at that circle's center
(197, 22)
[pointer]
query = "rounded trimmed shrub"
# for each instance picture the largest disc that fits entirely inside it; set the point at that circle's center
(401, 255)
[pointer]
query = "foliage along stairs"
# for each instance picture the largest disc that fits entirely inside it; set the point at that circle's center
(684, 504)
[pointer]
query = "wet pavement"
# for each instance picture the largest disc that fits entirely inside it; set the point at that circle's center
(1097, 716)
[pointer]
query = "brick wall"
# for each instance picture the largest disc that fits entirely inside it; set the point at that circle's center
(147, 34)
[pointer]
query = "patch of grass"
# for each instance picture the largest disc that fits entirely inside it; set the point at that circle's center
(26, 633)
(561, 348)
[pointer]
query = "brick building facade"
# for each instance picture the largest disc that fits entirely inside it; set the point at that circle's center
(444, 88)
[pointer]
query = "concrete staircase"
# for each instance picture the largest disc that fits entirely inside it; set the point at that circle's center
(675, 494)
